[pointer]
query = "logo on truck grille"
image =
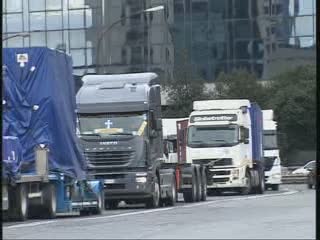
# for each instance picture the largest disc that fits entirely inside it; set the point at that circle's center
(109, 143)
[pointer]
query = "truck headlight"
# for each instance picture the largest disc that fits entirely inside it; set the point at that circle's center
(235, 173)
(141, 179)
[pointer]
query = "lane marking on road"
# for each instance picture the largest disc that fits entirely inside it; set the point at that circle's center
(146, 211)
(238, 199)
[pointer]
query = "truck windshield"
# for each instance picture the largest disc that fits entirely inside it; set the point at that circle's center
(212, 136)
(113, 124)
(270, 140)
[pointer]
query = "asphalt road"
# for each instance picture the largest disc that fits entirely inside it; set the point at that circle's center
(287, 214)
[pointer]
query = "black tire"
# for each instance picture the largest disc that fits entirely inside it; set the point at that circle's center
(246, 190)
(190, 195)
(154, 201)
(275, 187)
(100, 207)
(49, 201)
(111, 204)
(199, 187)
(18, 205)
(310, 185)
(204, 186)
(171, 201)
(262, 186)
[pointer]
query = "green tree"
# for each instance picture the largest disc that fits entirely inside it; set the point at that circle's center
(185, 88)
(294, 102)
(240, 84)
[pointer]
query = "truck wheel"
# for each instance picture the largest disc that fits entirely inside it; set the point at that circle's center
(275, 187)
(310, 185)
(261, 186)
(204, 186)
(246, 190)
(171, 201)
(190, 195)
(18, 210)
(111, 205)
(154, 201)
(199, 187)
(49, 201)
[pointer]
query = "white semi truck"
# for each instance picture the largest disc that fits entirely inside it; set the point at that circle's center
(271, 151)
(226, 136)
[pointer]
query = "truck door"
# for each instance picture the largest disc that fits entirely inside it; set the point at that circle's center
(182, 127)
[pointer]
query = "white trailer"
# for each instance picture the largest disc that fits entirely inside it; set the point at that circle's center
(271, 151)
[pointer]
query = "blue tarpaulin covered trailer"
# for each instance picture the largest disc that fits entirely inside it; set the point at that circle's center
(39, 108)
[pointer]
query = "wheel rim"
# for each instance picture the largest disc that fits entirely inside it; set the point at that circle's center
(174, 192)
(156, 194)
(23, 202)
(100, 202)
(53, 202)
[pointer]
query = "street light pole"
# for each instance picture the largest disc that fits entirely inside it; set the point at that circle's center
(16, 35)
(105, 30)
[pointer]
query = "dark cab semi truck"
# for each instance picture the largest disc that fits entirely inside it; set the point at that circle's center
(120, 128)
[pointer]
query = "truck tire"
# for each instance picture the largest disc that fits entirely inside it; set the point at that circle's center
(190, 195)
(261, 186)
(310, 185)
(154, 201)
(275, 187)
(246, 190)
(18, 198)
(172, 199)
(204, 185)
(199, 186)
(49, 201)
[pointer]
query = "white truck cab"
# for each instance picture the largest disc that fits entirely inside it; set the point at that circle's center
(227, 136)
(271, 151)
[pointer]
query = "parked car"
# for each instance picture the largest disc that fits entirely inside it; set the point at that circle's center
(305, 170)
(312, 181)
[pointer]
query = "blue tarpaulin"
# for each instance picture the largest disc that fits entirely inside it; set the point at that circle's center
(39, 108)
(11, 158)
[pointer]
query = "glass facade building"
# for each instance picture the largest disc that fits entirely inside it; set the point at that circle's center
(263, 36)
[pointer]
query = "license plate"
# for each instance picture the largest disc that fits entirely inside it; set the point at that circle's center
(108, 181)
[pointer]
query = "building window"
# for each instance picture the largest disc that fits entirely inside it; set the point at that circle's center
(36, 5)
(13, 6)
(76, 4)
(136, 55)
(55, 39)
(54, 20)
(76, 19)
(78, 57)
(37, 39)
(14, 22)
(77, 38)
(54, 4)
(37, 21)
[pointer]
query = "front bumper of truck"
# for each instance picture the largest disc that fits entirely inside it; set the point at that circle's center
(226, 177)
(128, 185)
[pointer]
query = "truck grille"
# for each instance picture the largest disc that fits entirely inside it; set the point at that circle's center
(220, 180)
(110, 158)
(221, 162)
